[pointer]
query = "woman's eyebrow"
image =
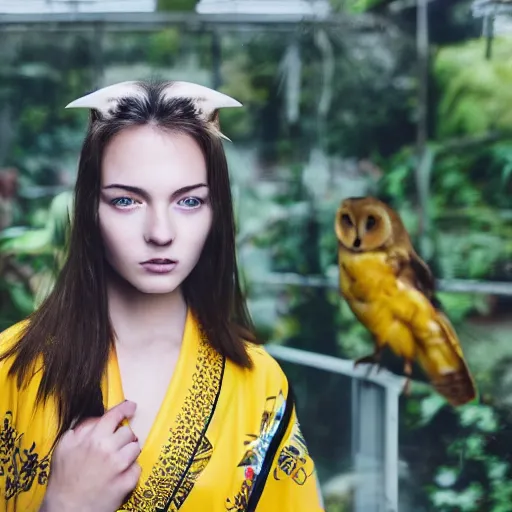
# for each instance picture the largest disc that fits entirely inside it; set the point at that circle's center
(141, 192)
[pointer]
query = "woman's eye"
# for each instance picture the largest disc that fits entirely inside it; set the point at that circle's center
(123, 202)
(191, 202)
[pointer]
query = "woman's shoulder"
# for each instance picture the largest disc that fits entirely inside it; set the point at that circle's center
(10, 335)
(265, 368)
(8, 338)
(259, 353)
(8, 383)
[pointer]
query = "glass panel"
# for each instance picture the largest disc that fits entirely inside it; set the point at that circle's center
(326, 426)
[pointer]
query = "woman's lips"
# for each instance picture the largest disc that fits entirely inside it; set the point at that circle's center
(159, 265)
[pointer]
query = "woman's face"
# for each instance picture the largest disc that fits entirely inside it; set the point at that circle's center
(154, 208)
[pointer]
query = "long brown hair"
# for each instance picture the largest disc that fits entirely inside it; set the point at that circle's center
(71, 330)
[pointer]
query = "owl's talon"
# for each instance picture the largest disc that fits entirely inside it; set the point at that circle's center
(371, 359)
(408, 372)
(406, 390)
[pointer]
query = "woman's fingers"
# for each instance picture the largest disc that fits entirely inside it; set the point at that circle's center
(109, 422)
(128, 455)
(123, 436)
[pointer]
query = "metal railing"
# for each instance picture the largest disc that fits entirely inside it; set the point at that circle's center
(374, 408)
(375, 397)
(501, 288)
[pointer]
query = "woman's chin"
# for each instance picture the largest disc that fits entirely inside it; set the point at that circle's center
(149, 284)
(156, 288)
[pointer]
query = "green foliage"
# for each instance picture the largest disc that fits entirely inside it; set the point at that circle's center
(471, 238)
(41, 250)
(475, 474)
(286, 226)
(163, 46)
(176, 5)
(475, 94)
(358, 6)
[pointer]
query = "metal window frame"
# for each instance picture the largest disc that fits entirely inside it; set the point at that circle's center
(148, 21)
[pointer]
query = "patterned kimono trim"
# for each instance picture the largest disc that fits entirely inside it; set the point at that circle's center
(186, 451)
(294, 461)
(19, 466)
(261, 451)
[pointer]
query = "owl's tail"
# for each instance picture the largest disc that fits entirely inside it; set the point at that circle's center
(443, 361)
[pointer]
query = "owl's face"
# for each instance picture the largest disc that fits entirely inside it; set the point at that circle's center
(363, 224)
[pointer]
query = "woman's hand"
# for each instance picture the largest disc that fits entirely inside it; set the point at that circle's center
(94, 465)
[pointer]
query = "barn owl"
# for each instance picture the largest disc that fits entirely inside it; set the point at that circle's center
(390, 290)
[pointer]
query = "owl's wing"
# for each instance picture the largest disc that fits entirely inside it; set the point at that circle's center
(417, 274)
(440, 354)
(423, 276)
(445, 365)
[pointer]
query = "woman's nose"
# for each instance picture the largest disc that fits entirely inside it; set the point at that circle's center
(159, 228)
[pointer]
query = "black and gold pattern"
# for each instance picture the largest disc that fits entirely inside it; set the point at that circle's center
(173, 476)
(294, 461)
(257, 449)
(258, 444)
(19, 466)
(199, 463)
(241, 500)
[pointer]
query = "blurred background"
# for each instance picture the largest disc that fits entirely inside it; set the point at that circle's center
(407, 100)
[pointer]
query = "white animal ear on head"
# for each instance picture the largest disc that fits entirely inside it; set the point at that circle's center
(207, 101)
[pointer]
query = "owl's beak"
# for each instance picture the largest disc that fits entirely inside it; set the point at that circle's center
(357, 243)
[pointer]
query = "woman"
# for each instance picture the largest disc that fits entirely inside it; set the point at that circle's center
(148, 306)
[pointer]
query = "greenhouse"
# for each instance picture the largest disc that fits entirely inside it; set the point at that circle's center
(403, 101)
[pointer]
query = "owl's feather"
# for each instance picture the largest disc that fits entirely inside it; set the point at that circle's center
(391, 291)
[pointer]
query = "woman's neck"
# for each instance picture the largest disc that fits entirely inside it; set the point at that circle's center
(141, 320)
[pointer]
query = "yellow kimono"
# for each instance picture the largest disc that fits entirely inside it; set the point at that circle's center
(225, 439)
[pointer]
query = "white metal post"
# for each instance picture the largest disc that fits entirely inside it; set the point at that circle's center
(375, 398)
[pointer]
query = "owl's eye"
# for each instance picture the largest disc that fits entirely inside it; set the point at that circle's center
(346, 220)
(370, 222)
